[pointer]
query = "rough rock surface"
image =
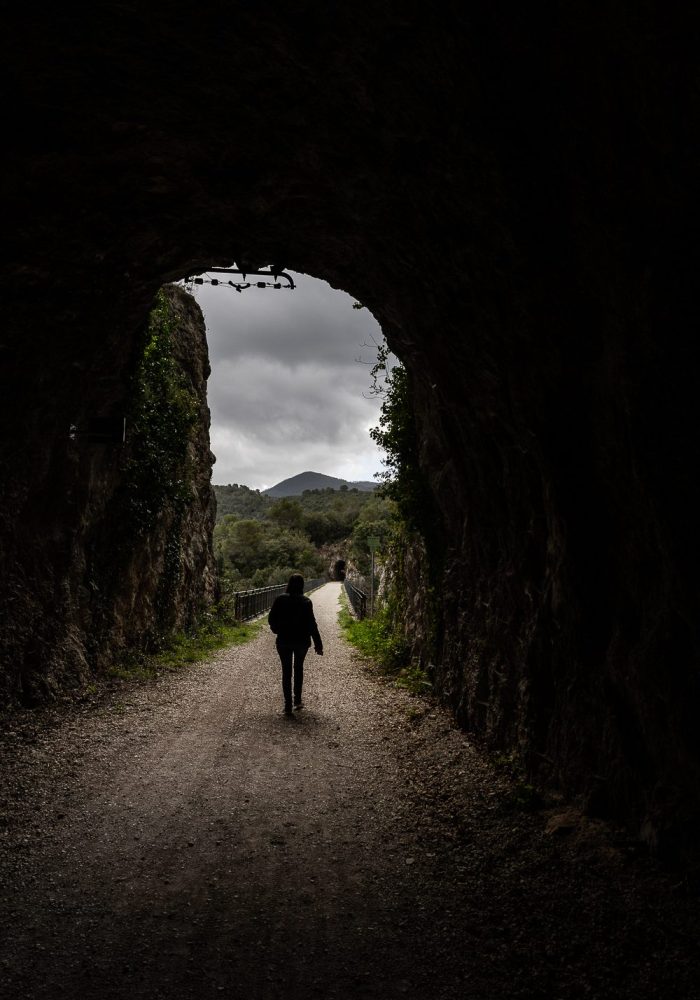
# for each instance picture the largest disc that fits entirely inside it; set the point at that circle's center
(94, 589)
(511, 196)
(186, 840)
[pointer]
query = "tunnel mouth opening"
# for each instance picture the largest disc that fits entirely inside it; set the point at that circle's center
(322, 336)
(291, 413)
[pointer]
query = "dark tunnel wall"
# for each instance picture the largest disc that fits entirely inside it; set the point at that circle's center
(510, 196)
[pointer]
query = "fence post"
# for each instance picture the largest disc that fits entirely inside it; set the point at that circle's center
(373, 545)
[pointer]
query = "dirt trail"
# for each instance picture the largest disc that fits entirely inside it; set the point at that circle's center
(190, 841)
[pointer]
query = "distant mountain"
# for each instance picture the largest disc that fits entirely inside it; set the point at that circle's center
(295, 486)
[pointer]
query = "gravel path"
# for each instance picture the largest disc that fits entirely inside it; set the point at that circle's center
(186, 840)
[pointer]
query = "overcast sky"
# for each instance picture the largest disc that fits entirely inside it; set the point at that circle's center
(286, 391)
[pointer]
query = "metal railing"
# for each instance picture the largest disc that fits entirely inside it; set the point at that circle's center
(252, 603)
(357, 598)
(358, 581)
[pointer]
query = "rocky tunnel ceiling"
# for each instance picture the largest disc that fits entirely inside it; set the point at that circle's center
(510, 195)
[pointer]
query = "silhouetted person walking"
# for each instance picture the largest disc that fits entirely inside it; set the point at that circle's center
(292, 619)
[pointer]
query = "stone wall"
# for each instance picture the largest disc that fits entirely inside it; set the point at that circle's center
(104, 567)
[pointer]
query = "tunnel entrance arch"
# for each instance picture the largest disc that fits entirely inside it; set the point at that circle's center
(518, 196)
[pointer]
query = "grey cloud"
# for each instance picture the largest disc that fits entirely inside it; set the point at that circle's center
(259, 468)
(286, 392)
(314, 322)
(265, 395)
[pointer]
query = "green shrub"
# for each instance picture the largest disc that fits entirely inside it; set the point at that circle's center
(377, 639)
(374, 638)
(413, 679)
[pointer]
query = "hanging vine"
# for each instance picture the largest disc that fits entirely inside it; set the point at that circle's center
(163, 413)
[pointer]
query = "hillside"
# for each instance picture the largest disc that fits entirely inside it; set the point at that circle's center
(340, 505)
(241, 501)
(296, 485)
(259, 540)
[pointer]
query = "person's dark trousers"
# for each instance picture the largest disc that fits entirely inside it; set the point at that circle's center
(292, 658)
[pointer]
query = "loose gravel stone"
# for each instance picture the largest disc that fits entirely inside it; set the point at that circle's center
(185, 839)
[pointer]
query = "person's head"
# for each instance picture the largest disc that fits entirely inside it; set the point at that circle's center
(296, 584)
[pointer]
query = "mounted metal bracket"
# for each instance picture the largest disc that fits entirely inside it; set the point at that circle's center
(273, 272)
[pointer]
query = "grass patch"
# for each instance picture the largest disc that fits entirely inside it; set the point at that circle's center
(413, 679)
(415, 713)
(189, 648)
(215, 632)
(133, 669)
(376, 639)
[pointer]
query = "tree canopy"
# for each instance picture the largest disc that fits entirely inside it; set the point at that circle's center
(260, 541)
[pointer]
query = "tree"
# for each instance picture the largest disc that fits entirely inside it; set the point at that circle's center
(286, 512)
(260, 553)
(377, 519)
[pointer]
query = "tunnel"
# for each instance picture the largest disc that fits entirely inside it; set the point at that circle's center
(509, 193)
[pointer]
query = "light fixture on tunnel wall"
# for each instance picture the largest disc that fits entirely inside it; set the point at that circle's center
(280, 278)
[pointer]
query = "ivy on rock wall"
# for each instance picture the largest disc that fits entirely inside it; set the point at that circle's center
(163, 412)
(159, 470)
(152, 550)
(415, 545)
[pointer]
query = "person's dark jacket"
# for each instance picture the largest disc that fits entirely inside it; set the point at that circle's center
(292, 619)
